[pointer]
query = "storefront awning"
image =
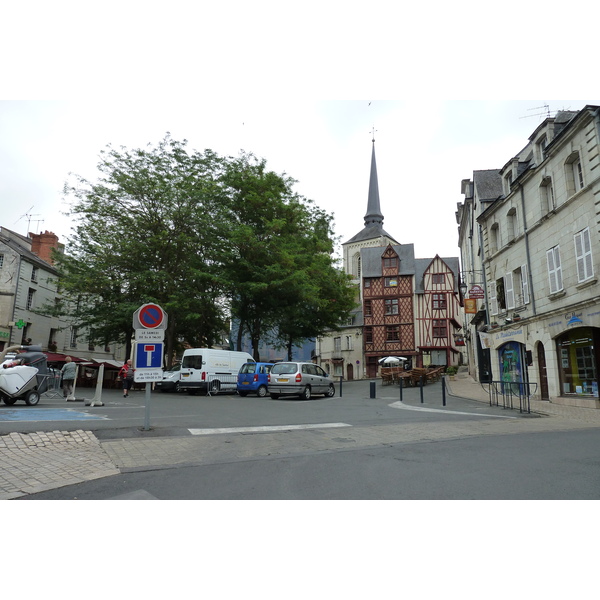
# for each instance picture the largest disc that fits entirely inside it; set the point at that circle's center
(58, 357)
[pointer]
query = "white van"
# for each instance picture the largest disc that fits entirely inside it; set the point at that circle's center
(210, 370)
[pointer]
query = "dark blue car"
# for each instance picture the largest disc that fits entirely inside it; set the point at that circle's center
(253, 379)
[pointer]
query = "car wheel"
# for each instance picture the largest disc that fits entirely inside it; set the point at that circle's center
(261, 392)
(32, 398)
(9, 401)
(305, 395)
(330, 391)
(274, 396)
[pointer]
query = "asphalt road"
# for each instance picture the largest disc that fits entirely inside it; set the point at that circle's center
(377, 448)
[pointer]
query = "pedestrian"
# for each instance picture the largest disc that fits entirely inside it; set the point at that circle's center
(126, 374)
(68, 373)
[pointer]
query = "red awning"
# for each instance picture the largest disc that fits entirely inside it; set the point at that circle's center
(57, 357)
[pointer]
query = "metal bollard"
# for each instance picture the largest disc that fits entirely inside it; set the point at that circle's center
(443, 390)
(341, 379)
(373, 389)
(421, 386)
(401, 388)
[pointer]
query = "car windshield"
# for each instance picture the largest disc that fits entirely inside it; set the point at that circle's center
(284, 368)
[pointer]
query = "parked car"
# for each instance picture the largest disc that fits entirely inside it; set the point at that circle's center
(253, 378)
(170, 380)
(299, 379)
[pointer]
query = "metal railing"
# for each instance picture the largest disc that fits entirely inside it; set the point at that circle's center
(504, 393)
(221, 383)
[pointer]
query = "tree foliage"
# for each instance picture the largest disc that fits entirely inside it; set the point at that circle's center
(207, 238)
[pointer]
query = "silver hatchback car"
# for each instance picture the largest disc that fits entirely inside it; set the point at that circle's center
(299, 379)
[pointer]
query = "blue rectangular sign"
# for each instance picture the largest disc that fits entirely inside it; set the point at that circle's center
(148, 355)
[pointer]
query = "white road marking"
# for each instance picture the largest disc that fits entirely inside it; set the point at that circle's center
(447, 412)
(266, 428)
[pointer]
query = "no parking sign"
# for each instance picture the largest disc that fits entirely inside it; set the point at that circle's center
(150, 316)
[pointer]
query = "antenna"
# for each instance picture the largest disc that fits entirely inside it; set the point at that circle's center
(546, 114)
(29, 219)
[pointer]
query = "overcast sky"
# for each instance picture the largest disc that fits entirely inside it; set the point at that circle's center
(423, 148)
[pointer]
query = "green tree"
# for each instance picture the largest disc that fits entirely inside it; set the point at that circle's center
(147, 231)
(280, 269)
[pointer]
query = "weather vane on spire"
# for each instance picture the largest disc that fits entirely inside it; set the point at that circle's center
(373, 133)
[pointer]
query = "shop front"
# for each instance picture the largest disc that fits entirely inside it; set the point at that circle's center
(578, 361)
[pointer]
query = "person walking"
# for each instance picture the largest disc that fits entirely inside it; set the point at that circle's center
(126, 374)
(68, 373)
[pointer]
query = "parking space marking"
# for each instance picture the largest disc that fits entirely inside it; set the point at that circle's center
(266, 428)
(47, 414)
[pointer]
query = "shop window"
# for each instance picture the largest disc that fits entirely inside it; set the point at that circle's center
(577, 361)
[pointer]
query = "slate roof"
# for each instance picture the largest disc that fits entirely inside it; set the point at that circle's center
(488, 184)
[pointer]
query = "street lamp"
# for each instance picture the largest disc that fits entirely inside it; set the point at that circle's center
(476, 277)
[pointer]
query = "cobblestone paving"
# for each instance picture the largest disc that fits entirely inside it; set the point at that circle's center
(35, 462)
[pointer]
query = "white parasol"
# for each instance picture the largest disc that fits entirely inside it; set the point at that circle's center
(391, 360)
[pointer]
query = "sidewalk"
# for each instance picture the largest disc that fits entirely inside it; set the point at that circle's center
(464, 386)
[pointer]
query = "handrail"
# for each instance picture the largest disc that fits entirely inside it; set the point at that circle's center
(509, 390)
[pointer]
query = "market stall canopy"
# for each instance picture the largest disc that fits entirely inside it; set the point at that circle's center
(108, 363)
(57, 357)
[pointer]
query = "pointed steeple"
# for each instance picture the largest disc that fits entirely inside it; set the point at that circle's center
(373, 216)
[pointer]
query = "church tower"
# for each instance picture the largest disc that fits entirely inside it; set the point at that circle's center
(372, 234)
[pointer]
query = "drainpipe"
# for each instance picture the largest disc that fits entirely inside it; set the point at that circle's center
(531, 290)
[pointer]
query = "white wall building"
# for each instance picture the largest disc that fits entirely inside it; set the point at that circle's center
(540, 250)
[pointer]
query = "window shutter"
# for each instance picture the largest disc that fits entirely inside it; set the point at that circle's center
(558, 267)
(493, 299)
(509, 292)
(580, 256)
(525, 284)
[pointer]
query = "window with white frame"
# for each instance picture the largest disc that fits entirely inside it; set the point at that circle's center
(34, 273)
(494, 237)
(547, 195)
(511, 224)
(337, 345)
(30, 297)
(583, 255)
(540, 148)
(521, 286)
(554, 269)
(73, 340)
(574, 174)
(348, 342)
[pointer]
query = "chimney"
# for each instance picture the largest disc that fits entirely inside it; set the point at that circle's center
(42, 244)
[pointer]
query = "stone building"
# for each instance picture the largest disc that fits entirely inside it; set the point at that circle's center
(539, 247)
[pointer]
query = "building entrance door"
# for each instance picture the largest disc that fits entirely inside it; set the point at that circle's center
(350, 372)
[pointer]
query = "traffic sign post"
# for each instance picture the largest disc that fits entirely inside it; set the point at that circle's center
(149, 322)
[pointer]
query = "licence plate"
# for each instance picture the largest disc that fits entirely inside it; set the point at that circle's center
(282, 380)
(245, 383)
(185, 374)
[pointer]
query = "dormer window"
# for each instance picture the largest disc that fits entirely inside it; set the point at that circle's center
(390, 263)
(574, 174)
(508, 179)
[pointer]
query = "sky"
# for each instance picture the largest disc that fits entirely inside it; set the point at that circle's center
(424, 149)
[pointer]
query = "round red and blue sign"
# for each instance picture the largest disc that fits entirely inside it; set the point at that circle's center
(151, 316)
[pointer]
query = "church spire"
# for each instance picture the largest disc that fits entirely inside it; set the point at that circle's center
(373, 216)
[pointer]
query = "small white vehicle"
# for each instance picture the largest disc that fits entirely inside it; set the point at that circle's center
(209, 370)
